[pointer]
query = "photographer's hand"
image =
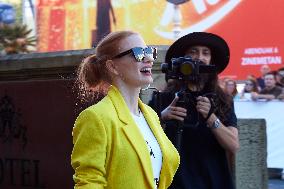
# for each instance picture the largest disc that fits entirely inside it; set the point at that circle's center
(203, 105)
(173, 112)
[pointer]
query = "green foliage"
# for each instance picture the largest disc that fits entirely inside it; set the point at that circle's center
(16, 39)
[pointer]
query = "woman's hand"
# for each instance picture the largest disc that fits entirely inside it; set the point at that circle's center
(203, 105)
(173, 112)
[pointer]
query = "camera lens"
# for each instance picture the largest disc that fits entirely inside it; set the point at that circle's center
(186, 68)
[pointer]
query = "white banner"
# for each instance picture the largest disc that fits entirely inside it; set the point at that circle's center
(272, 112)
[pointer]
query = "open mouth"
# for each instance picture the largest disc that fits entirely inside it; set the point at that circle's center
(146, 70)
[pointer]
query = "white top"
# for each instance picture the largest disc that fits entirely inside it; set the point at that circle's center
(153, 146)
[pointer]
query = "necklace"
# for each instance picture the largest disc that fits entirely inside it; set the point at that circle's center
(139, 113)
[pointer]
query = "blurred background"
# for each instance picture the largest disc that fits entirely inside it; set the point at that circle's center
(253, 29)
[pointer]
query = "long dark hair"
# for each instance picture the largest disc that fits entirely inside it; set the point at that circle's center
(223, 101)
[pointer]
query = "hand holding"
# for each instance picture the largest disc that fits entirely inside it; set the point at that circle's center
(173, 112)
(203, 105)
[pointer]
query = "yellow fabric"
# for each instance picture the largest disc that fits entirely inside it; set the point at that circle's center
(110, 152)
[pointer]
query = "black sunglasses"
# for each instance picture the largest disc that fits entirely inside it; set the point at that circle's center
(140, 53)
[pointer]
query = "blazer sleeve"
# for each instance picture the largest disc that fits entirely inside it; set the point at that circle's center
(89, 151)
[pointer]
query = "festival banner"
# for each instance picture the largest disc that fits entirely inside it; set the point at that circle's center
(253, 29)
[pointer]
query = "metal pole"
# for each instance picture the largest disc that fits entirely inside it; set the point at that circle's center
(177, 21)
(32, 8)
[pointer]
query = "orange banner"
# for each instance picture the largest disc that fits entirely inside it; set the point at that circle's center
(252, 28)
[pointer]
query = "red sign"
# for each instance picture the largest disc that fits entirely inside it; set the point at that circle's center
(252, 28)
(254, 33)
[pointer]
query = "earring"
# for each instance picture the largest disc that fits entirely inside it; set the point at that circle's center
(121, 76)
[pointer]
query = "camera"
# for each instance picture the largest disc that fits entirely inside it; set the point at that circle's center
(186, 69)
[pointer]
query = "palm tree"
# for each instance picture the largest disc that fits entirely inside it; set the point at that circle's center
(15, 39)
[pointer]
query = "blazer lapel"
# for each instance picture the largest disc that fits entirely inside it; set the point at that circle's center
(165, 175)
(133, 133)
(138, 144)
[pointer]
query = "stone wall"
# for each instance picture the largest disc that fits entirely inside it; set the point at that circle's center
(250, 162)
(38, 109)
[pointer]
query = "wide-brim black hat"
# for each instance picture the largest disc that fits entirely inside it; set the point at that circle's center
(220, 51)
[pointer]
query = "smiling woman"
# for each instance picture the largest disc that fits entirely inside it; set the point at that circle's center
(120, 132)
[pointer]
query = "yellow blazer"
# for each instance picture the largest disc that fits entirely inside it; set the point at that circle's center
(110, 152)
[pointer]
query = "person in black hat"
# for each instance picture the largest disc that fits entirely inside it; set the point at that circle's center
(208, 132)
